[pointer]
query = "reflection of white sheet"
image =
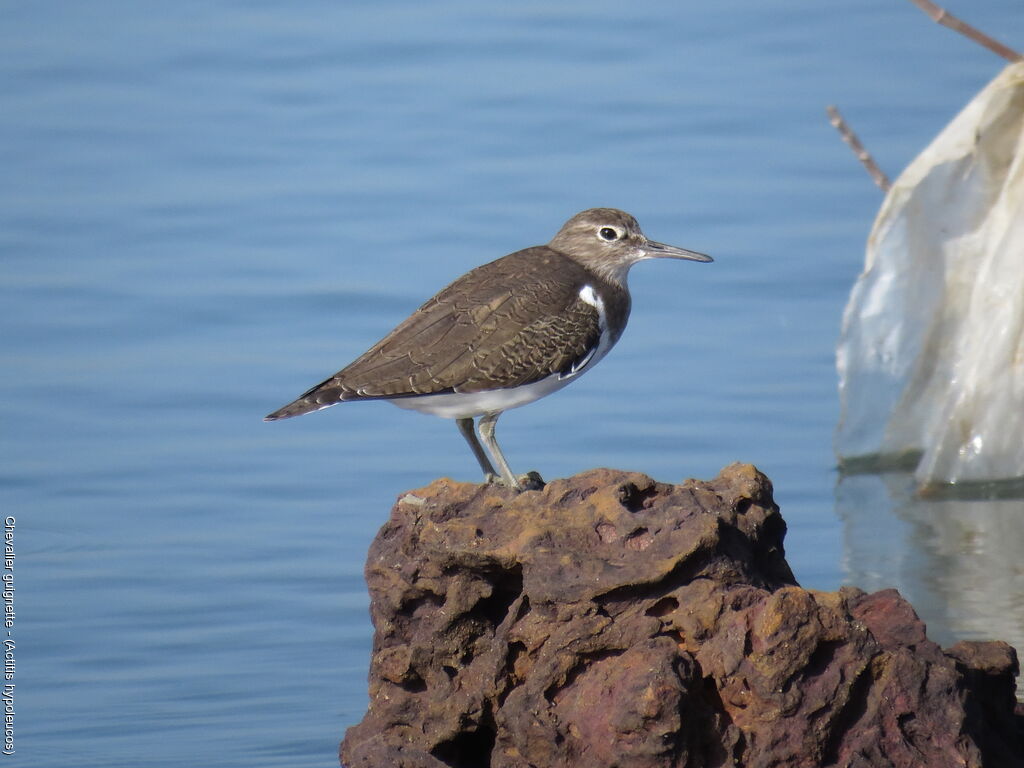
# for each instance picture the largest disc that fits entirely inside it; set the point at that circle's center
(932, 349)
(958, 562)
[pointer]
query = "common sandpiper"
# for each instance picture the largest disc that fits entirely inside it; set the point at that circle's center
(504, 334)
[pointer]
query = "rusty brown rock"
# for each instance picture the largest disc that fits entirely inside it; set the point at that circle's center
(610, 620)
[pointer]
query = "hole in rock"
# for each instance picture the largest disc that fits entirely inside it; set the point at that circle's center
(469, 749)
(663, 607)
(508, 586)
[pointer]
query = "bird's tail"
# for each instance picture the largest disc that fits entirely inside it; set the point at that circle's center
(296, 408)
(323, 395)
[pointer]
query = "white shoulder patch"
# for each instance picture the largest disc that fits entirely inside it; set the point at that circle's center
(589, 296)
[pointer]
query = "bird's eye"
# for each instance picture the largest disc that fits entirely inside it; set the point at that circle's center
(607, 233)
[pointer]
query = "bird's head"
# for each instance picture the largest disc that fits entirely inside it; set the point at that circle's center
(609, 241)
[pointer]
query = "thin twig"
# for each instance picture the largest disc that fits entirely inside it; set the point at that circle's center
(858, 149)
(940, 15)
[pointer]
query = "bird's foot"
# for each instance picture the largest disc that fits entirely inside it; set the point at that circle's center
(531, 481)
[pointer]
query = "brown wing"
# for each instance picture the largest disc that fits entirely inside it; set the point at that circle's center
(510, 322)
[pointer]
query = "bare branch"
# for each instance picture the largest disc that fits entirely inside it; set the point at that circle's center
(858, 149)
(941, 16)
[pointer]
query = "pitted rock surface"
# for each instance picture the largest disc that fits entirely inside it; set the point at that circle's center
(611, 620)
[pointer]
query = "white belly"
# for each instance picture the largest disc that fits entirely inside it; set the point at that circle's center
(461, 405)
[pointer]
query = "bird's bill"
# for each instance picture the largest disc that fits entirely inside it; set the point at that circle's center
(662, 251)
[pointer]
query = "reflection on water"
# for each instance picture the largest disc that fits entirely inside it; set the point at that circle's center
(956, 560)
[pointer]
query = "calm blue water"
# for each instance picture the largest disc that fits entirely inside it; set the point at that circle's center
(207, 207)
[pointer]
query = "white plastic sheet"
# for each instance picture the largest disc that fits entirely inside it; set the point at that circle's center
(931, 357)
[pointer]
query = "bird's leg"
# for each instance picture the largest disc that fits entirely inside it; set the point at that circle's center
(466, 428)
(487, 423)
